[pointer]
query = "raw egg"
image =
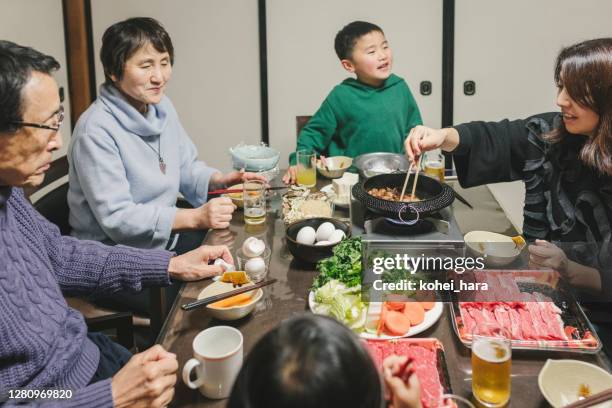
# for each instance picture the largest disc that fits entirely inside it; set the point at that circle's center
(306, 236)
(325, 231)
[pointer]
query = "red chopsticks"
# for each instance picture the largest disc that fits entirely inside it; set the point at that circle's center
(240, 190)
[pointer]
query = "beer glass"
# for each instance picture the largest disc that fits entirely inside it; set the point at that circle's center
(491, 365)
(306, 168)
(254, 201)
(433, 165)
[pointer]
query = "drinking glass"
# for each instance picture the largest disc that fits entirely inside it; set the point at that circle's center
(254, 270)
(306, 168)
(254, 199)
(433, 165)
(491, 365)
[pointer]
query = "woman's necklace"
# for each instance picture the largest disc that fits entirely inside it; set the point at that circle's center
(162, 164)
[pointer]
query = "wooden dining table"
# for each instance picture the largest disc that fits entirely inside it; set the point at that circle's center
(289, 297)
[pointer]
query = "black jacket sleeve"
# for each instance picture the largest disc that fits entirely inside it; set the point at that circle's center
(491, 152)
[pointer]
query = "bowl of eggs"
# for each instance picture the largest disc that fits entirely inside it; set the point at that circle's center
(313, 239)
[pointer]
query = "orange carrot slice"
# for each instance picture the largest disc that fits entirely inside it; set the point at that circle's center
(396, 323)
(397, 306)
(415, 312)
(237, 300)
(428, 305)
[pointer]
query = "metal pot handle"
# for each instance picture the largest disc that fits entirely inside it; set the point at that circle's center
(406, 207)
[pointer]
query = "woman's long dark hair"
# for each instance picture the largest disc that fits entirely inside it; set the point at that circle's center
(585, 70)
(308, 361)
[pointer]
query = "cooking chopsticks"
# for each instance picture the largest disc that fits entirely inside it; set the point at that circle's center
(592, 400)
(216, 298)
(240, 190)
(406, 181)
(416, 177)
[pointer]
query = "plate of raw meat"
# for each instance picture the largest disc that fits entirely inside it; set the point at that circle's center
(428, 362)
(539, 314)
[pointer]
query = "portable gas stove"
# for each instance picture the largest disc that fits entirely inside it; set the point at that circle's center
(434, 229)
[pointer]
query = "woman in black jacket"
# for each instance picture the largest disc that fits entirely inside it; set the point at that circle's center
(565, 160)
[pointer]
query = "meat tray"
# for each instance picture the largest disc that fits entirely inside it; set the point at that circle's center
(581, 337)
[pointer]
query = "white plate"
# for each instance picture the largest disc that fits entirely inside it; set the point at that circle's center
(329, 190)
(431, 316)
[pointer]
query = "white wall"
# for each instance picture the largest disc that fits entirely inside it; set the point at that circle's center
(509, 49)
(215, 80)
(40, 25)
(303, 66)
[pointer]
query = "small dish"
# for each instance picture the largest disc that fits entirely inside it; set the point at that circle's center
(564, 381)
(336, 166)
(496, 249)
(329, 190)
(236, 197)
(232, 312)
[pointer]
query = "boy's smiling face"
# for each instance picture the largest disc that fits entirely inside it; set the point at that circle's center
(371, 59)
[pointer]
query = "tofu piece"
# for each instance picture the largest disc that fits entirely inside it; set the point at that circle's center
(342, 186)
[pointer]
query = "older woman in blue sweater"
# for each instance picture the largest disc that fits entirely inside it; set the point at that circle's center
(44, 344)
(129, 155)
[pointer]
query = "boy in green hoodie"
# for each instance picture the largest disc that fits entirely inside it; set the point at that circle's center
(372, 113)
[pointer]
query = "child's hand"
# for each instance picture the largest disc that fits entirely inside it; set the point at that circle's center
(403, 385)
(290, 176)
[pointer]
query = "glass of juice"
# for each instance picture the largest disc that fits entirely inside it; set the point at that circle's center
(306, 168)
(433, 165)
(254, 201)
(491, 365)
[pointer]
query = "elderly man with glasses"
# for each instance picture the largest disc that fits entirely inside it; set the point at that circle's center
(44, 344)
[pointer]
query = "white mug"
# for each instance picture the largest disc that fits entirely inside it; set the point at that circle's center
(218, 358)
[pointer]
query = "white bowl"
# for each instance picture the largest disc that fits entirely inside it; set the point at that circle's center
(337, 166)
(233, 312)
(496, 249)
(560, 381)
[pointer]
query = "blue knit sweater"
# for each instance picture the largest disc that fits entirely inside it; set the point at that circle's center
(43, 342)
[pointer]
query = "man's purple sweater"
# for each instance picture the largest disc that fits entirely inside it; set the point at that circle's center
(43, 342)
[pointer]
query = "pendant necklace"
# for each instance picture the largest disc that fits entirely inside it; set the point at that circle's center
(162, 164)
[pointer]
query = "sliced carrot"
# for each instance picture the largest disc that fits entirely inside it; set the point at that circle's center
(397, 306)
(428, 305)
(237, 300)
(415, 312)
(397, 323)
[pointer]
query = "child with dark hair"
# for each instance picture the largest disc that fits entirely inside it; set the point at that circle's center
(313, 361)
(373, 112)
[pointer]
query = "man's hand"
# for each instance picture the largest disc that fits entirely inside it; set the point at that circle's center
(193, 265)
(147, 380)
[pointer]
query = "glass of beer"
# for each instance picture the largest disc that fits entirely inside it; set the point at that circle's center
(306, 168)
(433, 165)
(491, 365)
(254, 199)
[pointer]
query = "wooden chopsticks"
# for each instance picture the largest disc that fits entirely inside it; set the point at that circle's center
(216, 298)
(592, 400)
(416, 177)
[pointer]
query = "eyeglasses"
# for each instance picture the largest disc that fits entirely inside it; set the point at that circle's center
(60, 120)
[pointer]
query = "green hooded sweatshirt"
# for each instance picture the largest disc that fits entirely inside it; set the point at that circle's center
(356, 118)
